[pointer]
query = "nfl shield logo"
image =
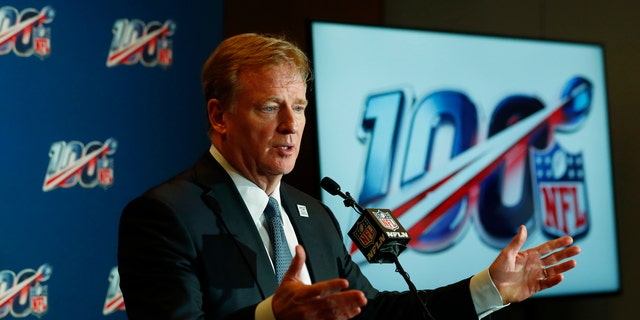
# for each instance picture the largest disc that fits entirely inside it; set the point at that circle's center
(42, 42)
(560, 191)
(39, 300)
(165, 53)
(386, 219)
(364, 232)
(105, 172)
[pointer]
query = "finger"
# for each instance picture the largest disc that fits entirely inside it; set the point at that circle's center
(297, 263)
(314, 290)
(518, 241)
(553, 245)
(560, 268)
(346, 303)
(560, 255)
(324, 288)
(341, 305)
(550, 281)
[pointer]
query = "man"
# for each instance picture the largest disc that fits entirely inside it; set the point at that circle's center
(198, 245)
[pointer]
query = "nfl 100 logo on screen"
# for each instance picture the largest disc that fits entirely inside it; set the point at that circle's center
(519, 153)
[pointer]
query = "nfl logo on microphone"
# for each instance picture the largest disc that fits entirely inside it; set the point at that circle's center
(364, 232)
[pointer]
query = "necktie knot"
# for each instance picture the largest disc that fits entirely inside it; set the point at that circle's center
(272, 210)
(281, 253)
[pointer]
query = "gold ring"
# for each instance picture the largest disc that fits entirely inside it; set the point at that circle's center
(544, 271)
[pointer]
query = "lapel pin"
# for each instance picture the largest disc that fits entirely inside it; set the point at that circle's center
(302, 210)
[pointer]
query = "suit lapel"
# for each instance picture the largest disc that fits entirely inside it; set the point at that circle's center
(306, 227)
(225, 201)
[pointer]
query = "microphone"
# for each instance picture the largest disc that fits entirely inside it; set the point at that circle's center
(334, 189)
(376, 233)
(330, 186)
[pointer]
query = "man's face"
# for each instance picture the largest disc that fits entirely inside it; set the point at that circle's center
(262, 135)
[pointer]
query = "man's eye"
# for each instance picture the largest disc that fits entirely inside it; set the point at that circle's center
(269, 108)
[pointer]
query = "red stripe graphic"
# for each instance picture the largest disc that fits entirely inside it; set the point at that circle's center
(116, 303)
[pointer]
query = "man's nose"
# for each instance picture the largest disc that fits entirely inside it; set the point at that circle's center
(290, 121)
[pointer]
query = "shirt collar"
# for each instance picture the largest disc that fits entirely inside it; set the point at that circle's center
(255, 199)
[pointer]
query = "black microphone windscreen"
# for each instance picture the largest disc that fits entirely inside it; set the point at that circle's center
(330, 186)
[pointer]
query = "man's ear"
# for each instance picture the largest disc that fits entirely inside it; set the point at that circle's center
(215, 112)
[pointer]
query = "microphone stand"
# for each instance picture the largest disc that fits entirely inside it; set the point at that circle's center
(350, 202)
(425, 311)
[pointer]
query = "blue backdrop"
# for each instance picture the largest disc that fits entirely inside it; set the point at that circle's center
(98, 102)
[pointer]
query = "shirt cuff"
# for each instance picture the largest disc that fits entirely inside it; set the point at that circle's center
(264, 310)
(486, 297)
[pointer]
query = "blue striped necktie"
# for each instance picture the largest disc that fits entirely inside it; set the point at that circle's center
(281, 253)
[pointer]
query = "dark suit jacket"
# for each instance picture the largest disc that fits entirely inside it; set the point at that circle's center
(188, 249)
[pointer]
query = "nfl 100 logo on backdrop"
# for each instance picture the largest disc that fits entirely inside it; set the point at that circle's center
(114, 300)
(520, 155)
(134, 41)
(72, 163)
(23, 293)
(25, 32)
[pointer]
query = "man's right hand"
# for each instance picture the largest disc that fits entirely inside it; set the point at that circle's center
(323, 300)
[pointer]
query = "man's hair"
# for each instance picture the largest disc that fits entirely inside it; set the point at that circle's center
(250, 50)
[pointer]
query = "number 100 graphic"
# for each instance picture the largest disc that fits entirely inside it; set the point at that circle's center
(436, 202)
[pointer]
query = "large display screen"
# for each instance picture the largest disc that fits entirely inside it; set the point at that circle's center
(465, 138)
